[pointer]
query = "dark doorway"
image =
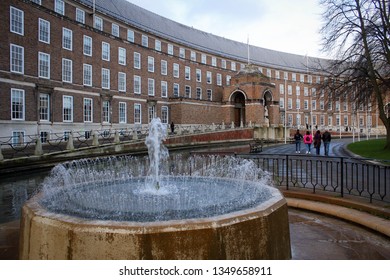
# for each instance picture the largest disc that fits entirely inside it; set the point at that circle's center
(239, 108)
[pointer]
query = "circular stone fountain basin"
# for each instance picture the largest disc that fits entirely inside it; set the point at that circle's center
(215, 219)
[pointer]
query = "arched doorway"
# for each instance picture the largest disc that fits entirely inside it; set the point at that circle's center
(238, 100)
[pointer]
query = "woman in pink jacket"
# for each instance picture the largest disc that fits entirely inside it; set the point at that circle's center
(308, 140)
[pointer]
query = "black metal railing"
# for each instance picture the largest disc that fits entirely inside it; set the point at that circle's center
(346, 176)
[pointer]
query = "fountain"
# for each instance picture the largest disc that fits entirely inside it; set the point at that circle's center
(156, 208)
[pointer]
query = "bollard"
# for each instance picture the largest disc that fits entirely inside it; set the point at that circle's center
(116, 138)
(38, 147)
(95, 139)
(69, 144)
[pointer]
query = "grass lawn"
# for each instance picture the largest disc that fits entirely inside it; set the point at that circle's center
(370, 149)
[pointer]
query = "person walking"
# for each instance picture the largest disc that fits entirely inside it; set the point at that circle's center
(317, 142)
(308, 140)
(326, 138)
(298, 139)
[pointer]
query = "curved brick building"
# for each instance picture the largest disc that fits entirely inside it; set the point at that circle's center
(82, 65)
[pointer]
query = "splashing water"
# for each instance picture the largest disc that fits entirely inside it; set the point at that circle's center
(158, 153)
(128, 188)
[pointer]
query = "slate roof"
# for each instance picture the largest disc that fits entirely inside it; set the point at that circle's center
(197, 39)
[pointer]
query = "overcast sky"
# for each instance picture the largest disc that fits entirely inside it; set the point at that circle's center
(283, 25)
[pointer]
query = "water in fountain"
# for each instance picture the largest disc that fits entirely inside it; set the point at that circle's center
(158, 153)
(142, 190)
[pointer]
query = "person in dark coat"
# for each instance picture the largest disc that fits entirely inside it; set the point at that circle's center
(317, 142)
(298, 140)
(326, 138)
(172, 128)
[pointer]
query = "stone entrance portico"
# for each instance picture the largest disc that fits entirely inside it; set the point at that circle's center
(250, 98)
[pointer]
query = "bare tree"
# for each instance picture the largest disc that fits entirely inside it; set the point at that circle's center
(357, 34)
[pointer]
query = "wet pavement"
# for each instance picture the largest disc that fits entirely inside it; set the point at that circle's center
(318, 237)
(313, 237)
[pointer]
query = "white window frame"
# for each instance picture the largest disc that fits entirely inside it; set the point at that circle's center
(187, 72)
(106, 111)
(170, 49)
(137, 113)
(219, 79)
(137, 84)
(98, 23)
(203, 58)
(87, 75)
(130, 35)
(137, 60)
(122, 114)
(176, 70)
(209, 77)
(233, 66)
(106, 51)
(43, 65)
(115, 29)
(88, 111)
(80, 15)
(209, 94)
(193, 56)
(44, 31)
(281, 103)
(187, 91)
(67, 70)
(65, 100)
(182, 53)
(176, 90)
(106, 78)
(164, 67)
(67, 39)
(151, 87)
(151, 64)
(164, 89)
(18, 98)
(164, 114)
(16, 55)
(298, 90)
(87, 45)
(44, 107)
(289, 89)
(198, 93)
(121, 82)
(122, 56)
(281, 89)
(157, 45)
(145, 40)
(199, 75)
(59, 7)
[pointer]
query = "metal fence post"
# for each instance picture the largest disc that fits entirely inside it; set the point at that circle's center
(287, 167)
(342, 177)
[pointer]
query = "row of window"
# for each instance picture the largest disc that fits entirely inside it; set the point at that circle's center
(306, 103)
(322, 118)
(18, 109)
(17, 26)
(17, 66)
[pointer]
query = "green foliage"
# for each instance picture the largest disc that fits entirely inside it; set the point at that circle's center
(374, 149)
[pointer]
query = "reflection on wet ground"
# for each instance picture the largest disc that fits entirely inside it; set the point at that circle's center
(313, 237)
(319, 237)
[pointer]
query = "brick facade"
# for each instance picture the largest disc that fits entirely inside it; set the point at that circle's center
(187, 108)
